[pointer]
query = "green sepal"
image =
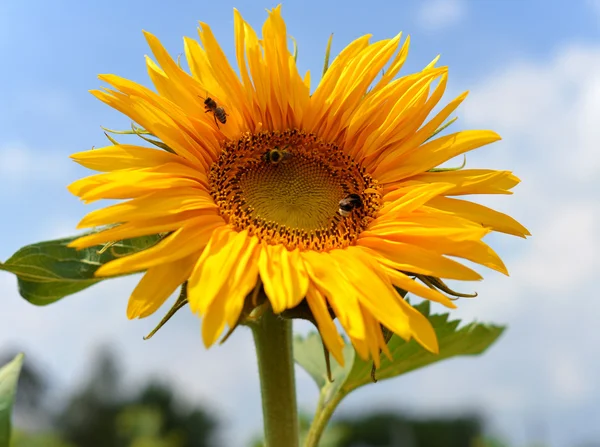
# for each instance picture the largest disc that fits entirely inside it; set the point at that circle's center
(295, 53)
(455, 168)
(140, 132)
(50, 270)
(9, 377)
(441, 128)
(327, 55)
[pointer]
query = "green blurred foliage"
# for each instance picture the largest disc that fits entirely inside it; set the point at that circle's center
(24, 439)
(387, 429)
(104, 414)
(391, 429)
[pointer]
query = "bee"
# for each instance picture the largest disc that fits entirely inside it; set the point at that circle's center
(210, 105)
(349, 203)
(276, 155)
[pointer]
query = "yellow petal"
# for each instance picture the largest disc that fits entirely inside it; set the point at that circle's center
(376, 293)
(374, 337)
(394, 67)
(413, 106)
(283, 275)
(411, 258)
(466, 181)
(130, 183)
(434, 153)
(421, 328)
(324, 271)
(227, 305)
(157, 284)
(163, 224)
(392, 154)
(187, 136)
(125, 156)
(438, 233)
(318, 105)
(151, 206)
(331, 337)
(480, 214)
(410, 227)
(226, 254)
(184, 90)
(404, 282)
(190, 238)
(412, 198)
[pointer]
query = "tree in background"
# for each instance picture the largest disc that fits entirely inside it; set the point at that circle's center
(103, 414)
(388, 429)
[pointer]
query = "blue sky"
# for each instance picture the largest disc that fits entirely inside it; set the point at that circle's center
(533, 71)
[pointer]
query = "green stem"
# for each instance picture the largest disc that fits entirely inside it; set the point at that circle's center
(273, 341)
(322, 416)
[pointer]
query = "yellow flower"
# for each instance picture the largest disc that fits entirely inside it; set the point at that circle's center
(255, 181)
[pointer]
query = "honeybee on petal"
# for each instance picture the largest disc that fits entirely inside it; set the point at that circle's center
(277, 155)
(349, 203)
(210, 105)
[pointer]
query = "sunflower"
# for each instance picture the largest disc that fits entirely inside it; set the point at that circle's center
(329, 199)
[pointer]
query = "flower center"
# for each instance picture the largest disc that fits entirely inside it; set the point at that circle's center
(293, 189)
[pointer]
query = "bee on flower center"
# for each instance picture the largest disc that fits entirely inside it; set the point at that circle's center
(277, 155)
(210, 105)
(348, 203)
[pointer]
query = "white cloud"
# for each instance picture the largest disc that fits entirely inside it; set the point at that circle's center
(437, 14)
(546, 112)
(543, 368)
(542, 371)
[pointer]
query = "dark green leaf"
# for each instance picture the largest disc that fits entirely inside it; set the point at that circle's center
(9, 376)
(48, 271)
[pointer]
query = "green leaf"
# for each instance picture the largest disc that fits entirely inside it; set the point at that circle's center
(48, 271)
(308, 353)
(471, 339)
(9, 376)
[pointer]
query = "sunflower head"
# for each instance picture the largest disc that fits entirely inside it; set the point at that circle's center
(326, 199)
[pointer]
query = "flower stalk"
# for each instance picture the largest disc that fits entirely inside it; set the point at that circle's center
(273, 341)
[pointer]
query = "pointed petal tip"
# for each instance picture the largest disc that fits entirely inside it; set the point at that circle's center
(206, 341)
(81, 226)
(132, 311)
(492, 135)
(209, 339)
(434, 349)
(148, 35)
(75, 244)
(106, 270)
(73, 189)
